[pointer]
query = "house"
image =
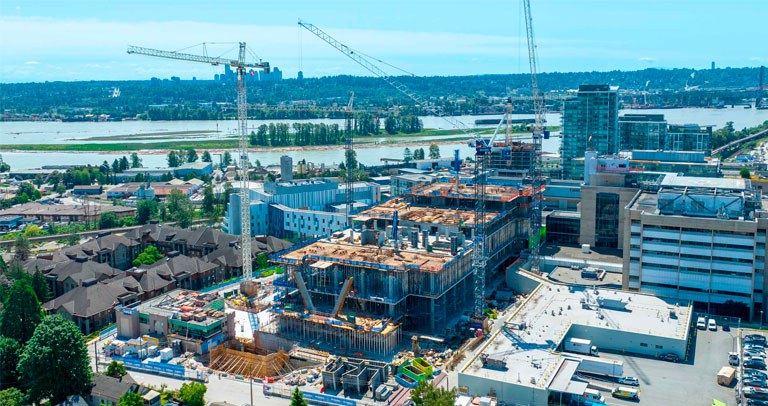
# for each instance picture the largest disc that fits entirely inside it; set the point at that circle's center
(91, 305)
(65, 276)
(230, 259)
(197, 243)
(81, 190)
(8, 223)
(187, 272)
(114, 250)
(107, 390)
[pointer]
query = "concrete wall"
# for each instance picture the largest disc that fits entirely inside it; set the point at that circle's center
(623, 341)
(510, 391)
(589, 211)
(520, 282)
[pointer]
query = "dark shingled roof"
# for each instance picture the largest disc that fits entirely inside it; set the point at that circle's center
(109, 388)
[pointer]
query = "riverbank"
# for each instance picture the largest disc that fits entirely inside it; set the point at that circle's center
(441, 137)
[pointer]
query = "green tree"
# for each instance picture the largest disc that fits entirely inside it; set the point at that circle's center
(350, 160)
(434, 151)
(192, 394)
(148, 257)
(40, 287)
(173, 159)
(226, 159)
(11, 397)
(9, 358)
(418, 153)
(407, 156)
(297, 398)
(208, 200)
(145, 209)
(107, 220)
(131, 399)
(4, 167)
(179, 208)
(744, 173)
(135, 161)
(73, 238)
(206, 157)
(262, 261)
(33, 230)
(116, 369)
(21, 248)
(21, 312)
(55, 363)
(427, 395)
(191, 155)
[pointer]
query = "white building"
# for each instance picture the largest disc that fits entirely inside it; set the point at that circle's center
(524, 362)
(698, 239)
(298, 208)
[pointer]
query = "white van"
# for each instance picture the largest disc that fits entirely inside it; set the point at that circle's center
(594, 396)
(701, 323)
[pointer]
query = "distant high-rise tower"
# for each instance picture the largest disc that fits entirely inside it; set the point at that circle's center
(590, 122)
(300, 76)
(713, 65)
(286, 168)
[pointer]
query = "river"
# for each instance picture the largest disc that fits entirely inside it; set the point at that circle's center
(35, 132)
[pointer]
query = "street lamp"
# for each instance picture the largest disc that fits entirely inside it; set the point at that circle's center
(761, 319)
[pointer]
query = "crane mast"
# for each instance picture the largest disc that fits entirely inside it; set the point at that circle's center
(240, 66)
(539, 132)
(348, 152)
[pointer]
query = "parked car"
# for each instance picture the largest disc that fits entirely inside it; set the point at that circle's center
(752, 381)
(753, 345)
(712, 325)
(754, 373)
(758, 338)
(755, 364)
(755, 392)
(733, 359)
(629, 380)
(625, 393)
(672, 357)
(701, 323)
(726, 327)
(757, 402)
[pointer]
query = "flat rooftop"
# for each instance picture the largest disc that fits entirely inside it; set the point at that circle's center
(407, 212)
(570, 276)
(338, 249)
(548, 314)
(201, 308)
(672, 180)
(493, 192)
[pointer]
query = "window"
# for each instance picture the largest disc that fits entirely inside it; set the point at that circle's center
(659, 347)
(643, 344)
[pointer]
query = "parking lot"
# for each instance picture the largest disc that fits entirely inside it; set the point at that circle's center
(693, 382)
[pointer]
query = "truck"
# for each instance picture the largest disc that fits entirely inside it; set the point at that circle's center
(581, 346)
(599, 367)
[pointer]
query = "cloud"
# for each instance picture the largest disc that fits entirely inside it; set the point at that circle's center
(647, 59)
(31, 63)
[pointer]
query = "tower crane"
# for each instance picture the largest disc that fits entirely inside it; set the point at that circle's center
(348, 155)
(539, 132)
(240, 66)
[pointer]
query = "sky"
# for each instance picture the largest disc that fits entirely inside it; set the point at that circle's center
(52, 40)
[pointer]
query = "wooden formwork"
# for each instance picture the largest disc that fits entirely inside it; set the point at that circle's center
(248, 364)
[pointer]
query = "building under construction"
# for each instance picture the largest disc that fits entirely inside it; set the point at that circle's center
(409, 268)
(515, 159)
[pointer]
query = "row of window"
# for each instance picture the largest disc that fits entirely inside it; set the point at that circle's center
(696, 290)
